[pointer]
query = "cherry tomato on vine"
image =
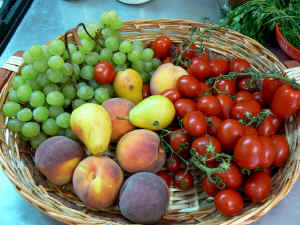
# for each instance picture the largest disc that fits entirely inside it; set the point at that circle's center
(226, 86)
(206, 145)
(172, 94)
(188, 86)
(104, 73)
(226, 103)
(168, 59)
(184, 106)
(187, 54)
(229, 202)
(258, 96)
(243, 96)
(250, 130)
(209, 105)
(269, 86)
(209, 187)
(269, 151)
(199, 68)
(282, 150)
(218, 66)
(240, 109)
(247, 84)
(231, 178)
(238, 65)
(161, 47)
(204, 89)
(183, 180)
(258, 186)
(179, 140)
(204, 56)
(195, 123)
(146, 91)
(213, 124)
(269, 126)
(165, 176)
(173, 163)
(248, 152)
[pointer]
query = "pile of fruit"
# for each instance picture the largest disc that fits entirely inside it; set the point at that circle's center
(107, 110)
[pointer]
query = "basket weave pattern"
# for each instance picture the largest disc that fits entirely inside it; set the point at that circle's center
(190, 206)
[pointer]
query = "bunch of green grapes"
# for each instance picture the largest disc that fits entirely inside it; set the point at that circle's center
(55, 79)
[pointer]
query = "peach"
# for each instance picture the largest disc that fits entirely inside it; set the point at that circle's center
(119, 107)
(57, 157)
(97, 181)
(139, 150)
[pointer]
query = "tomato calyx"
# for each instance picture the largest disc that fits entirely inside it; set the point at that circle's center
(255, 120)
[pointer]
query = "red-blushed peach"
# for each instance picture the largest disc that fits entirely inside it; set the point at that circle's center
(139, 150)
(97, 181)
(119, 107)
(57, 157)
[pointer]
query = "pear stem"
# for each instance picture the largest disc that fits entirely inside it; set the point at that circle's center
(122, 117)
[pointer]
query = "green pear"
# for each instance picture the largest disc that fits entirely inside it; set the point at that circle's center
(154, 113)
(91, 123)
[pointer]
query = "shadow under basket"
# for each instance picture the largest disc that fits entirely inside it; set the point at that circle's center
(186, 207)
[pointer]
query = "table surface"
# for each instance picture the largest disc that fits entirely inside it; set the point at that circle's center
(45, 20)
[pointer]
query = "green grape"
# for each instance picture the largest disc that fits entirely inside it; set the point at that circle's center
(138, 44)
(14, 125)
(24, 92)
(119, 58)
(82, 34)
(40, 65)
(67, 102)
(76, 73)
(77, 57)
(28, 73)
(109, 88)
(12, 96)
(125, 46)
(36, 51)
(155, 63)
(67, 69)
(18, 81)
(148, 66)
(76, 103)
(106, 54)
(120, 68)
(24, 114)
(92, 58)
(40, 114)
(101, 94)
(107, 32)
(147, 54)
(46, 53)
(138, 65)
(55, 98)
(87, 72)
(11, 109)
(30, 129)
(72, 48)
(56, 47)
(65, 80)
(54, 111)
(117, 25)
(81, 84)
(55, 62)
(112, 17)
(69, 91)
(37, 99)
(54, 76)
(35, 85)
(145, 76)
(50, 127)
(28, 59)
(93, 84)
(63, 120)
(112, 43)
(135, 55)
(70, 134)
(49, 88)
(104, 18)
(37, 140)
(93, 28)
(65, 55)
(42, 80)
(87, 45)
(85, 92)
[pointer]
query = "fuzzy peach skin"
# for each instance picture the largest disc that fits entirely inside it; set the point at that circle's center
(97, 181)
(57, 157)
(119, 107)
(138, 150)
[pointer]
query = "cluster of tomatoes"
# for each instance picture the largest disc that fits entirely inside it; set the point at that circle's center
(234, 117)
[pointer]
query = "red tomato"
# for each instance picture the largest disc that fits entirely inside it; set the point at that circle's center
(258, 186)
(282, 150)
(269, 151)
(232, 178)
(200, 145)
(286, 101)
(250, 130)
(249, 152)
(227, 86)
(188, 54)
(229, 202)
(258, 96)
(161, 47)
(229, 133)
(183, 180)
(213, 124)
(209, 105)
(238, 65)
(195, 123)
(243, 96)
(204, 56)
(179, 139)
(209, 188)
(199, 68)
(204, 89)
(269, 126)
(104, 73)
(146, 91)
(267, 171)
(240, 109)
(173, 163)
(166, 177)
(184, 106)
(247, 84)
(188, 86)
(218, 66)
(226, 103)
(168, 59)
(269, 86)
(172, 94)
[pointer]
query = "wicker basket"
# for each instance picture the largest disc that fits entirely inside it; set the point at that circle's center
(191, 206)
